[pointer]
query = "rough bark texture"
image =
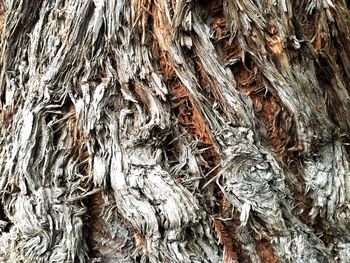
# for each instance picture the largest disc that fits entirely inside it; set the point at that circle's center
(174, 131)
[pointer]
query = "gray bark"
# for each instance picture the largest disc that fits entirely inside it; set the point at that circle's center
(174, 131)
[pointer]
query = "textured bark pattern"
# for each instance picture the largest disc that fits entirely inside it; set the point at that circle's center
(174, 131)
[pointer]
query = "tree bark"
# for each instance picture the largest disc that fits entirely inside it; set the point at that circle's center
(174, 131)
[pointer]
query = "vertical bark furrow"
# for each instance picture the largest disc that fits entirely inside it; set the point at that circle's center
(108, 237)
(282, 67)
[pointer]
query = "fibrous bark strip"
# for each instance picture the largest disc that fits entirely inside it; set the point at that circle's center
(174, 131)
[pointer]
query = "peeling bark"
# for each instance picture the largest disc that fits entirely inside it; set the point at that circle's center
(174, 131)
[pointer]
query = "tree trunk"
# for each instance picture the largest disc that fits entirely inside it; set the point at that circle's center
(174, 131)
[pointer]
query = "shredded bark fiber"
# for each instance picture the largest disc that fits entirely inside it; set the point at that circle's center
(174, 131)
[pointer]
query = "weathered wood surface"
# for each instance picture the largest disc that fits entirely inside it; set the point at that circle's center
(174, 131)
